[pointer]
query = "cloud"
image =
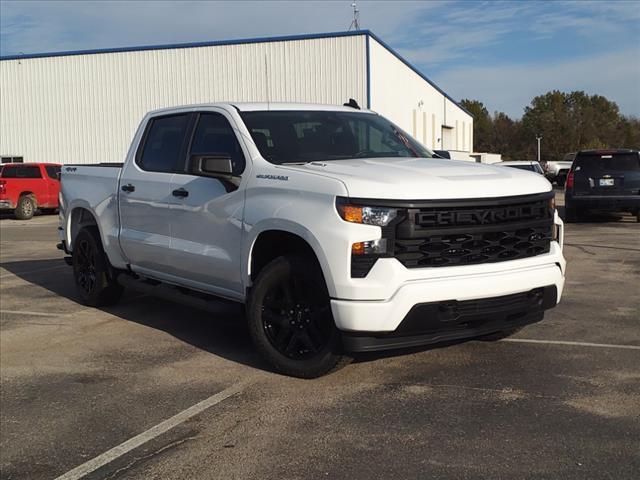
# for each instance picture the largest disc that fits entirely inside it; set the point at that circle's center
(509, 88)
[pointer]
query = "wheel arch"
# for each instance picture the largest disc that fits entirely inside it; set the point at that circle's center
(269, 242)
(80, 217)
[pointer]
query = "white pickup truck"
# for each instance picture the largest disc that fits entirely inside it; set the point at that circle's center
(337, 230)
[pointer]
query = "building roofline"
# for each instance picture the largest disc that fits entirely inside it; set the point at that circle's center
(240, 41)
(212, 43)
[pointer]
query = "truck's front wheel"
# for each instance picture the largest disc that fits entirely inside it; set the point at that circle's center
(91, 270)
(290, 318)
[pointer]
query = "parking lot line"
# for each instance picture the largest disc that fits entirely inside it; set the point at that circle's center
(574, 344)
(125, 447)
(34, 314)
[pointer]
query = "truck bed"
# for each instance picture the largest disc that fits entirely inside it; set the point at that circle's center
(94, 188)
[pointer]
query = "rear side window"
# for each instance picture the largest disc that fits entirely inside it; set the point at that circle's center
(53, 171)
(617, 162)
(21, 171)
(215, 136)
(163, 146)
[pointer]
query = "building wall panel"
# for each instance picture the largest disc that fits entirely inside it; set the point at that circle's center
(398, 92)
(85, 108)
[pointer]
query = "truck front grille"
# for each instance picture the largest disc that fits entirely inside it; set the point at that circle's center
(474, 231)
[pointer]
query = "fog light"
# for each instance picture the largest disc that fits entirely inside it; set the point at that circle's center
(371, 247)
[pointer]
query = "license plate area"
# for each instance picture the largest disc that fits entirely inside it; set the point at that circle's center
(606, 182)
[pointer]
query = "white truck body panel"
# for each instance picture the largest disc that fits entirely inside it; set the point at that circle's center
(205, 241)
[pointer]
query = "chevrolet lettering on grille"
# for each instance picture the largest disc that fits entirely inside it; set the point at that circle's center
(480, 217)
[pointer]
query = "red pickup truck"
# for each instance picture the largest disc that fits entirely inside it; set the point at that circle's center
(25, 187)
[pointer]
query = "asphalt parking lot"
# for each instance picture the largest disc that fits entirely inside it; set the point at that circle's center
(149, 389)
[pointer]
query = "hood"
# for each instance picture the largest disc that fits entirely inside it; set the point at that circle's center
(426, 178)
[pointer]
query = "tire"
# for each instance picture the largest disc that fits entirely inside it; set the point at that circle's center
(560, 179)
(26, 208)
(496, 336)
(290, 321)
(94, 277)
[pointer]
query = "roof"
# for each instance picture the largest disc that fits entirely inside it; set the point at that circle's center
(286, 38)
(264, 106)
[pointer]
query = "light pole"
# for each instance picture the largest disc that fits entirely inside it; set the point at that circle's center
(538, 138)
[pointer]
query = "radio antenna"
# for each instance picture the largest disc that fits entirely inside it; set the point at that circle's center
(355, 23)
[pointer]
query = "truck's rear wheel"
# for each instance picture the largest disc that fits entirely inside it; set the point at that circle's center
(26, 207)
(290, 318)
(92, 272)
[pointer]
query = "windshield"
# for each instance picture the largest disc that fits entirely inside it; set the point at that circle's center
(307, 136)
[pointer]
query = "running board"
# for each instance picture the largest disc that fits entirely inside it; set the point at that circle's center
(184, 296)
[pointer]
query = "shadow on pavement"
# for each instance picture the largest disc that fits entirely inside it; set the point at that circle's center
(223, 333)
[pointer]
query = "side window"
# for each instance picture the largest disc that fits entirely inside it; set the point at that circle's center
(214, 135)
(21, 172)
(9, 172)
(163, 144)
(53, 171)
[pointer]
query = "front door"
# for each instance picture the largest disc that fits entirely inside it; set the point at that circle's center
(207, 213)
(145, 194)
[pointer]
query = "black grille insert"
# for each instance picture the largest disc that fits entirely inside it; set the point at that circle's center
(474, 231)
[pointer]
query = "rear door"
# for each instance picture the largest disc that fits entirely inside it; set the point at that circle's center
(145, 193)
(607, 174)
(52, 176)
(207, 213)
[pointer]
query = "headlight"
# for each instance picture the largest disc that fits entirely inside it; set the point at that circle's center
(380, 216)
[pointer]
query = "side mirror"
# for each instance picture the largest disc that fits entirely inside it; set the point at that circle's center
(212, 165)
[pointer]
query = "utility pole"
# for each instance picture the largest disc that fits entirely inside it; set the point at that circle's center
(538, 138)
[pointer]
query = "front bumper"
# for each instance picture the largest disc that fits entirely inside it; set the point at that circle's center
(605, 202)
(434, 322)
(495, 281)
(6, 205)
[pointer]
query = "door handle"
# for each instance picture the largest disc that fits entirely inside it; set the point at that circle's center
(128, 188)
(180, 192)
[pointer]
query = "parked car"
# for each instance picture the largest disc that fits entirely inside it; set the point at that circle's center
(336, 229)
(522, 165)
(604, 180)
(27, 187)
(556, 171)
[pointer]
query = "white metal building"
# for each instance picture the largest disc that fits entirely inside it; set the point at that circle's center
(84, 106)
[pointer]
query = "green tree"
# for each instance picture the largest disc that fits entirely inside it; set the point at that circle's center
(567, 122)
(482, 125)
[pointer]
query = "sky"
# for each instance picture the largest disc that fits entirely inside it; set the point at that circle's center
(501, 53)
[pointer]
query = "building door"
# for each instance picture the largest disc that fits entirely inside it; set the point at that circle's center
(447, 138)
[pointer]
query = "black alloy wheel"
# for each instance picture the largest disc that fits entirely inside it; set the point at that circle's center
(290, 320)
(84, 266)
(296, 318)
(94, 277)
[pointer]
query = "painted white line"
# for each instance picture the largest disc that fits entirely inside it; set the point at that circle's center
(574, 344)
(116, 452)
(29, 272)
(34, 314)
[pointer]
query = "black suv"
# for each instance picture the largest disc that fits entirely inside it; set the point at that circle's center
(603, 180)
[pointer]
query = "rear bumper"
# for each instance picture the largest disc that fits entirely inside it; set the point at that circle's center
(610, 202)
(6, 205)
(435, 322)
